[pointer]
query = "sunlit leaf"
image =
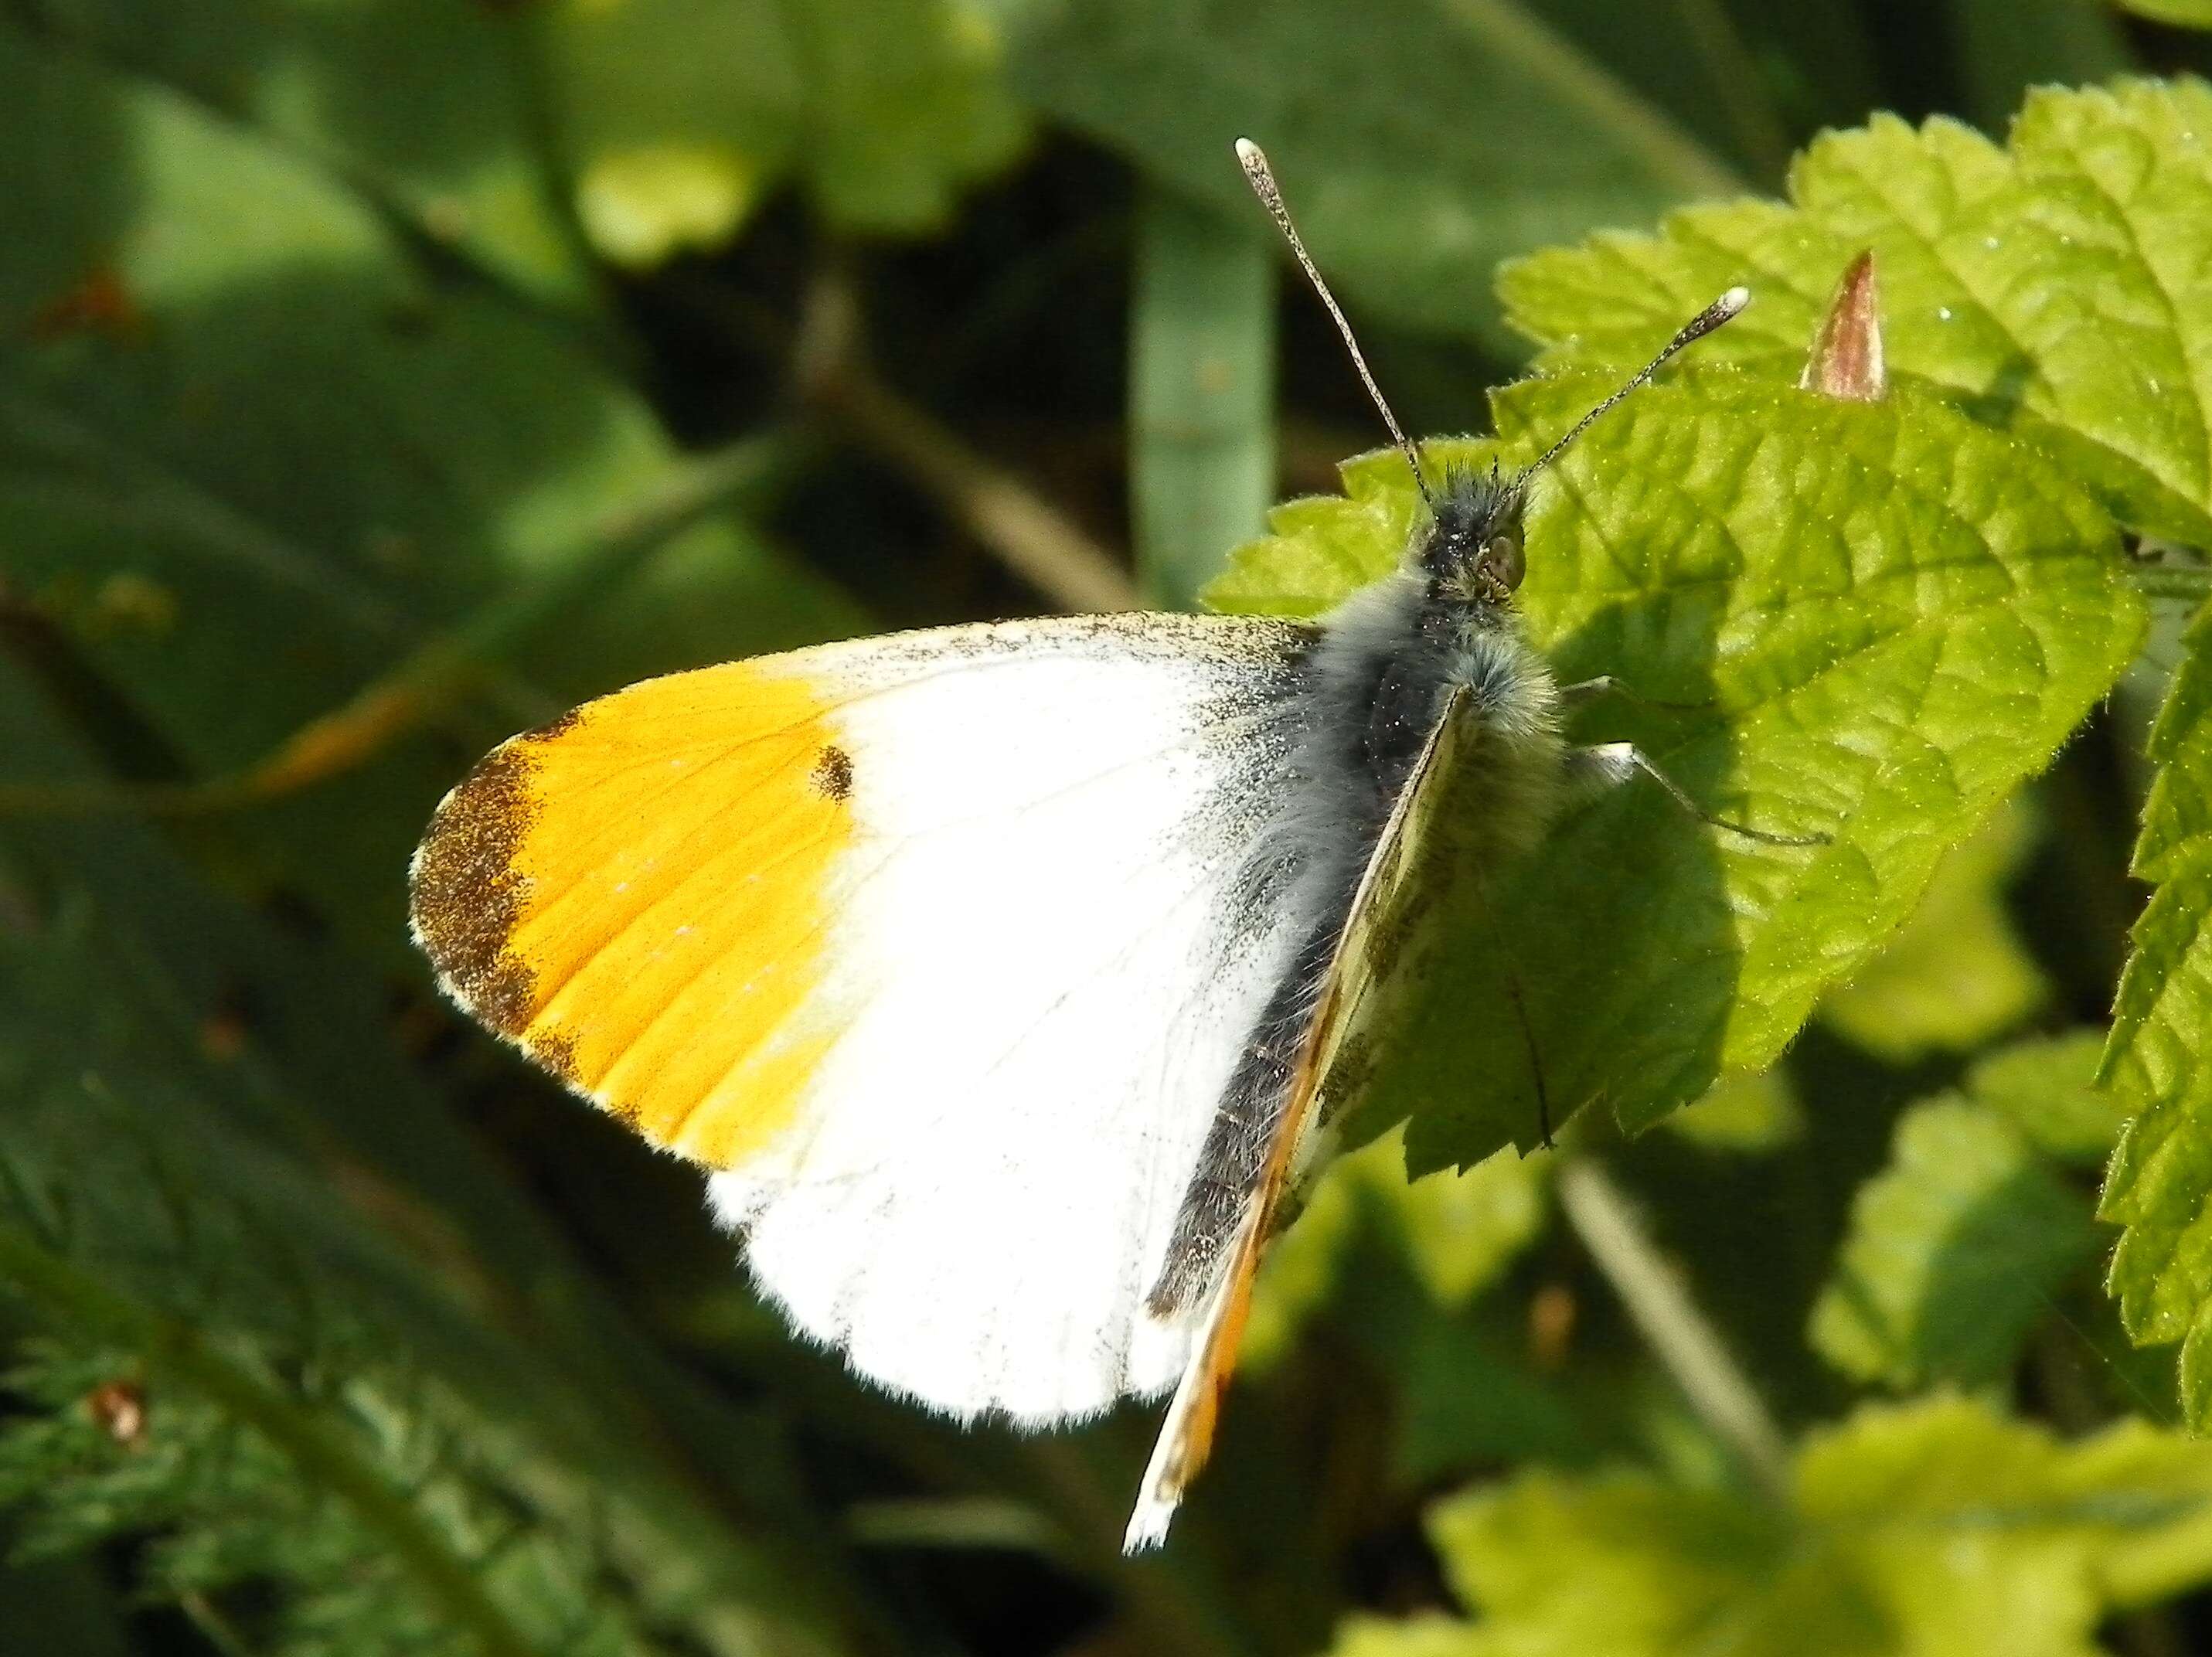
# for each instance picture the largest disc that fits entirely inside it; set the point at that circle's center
(1938, 1527)
(2048, 1089)
(1953, 1250)
(1748, 1115)
(1886, 616)
(2059, 285)
(1958, 974)
(1456, 1233)
(678, 116)
(1460, 1230)
(2162, 1173)
(2185, 14)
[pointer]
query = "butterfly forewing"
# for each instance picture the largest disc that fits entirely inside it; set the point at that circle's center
(937, 949)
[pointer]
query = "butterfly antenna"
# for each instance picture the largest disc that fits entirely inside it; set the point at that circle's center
(1271, 198)
(1725, 309)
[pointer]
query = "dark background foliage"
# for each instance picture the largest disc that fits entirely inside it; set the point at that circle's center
(376, 378)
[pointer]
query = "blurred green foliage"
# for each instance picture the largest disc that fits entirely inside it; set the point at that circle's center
(1939, 1527)
(380, 376)
(1956, 1247)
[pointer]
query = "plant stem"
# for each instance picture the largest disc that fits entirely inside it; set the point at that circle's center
(831, 368)
(1597, 96)
(429, 678)
(1733, 76)
(2186, 583)
(213, 1626)
(1030, 537)
(1201, 393)
(950, 1521)
(1659, 1304)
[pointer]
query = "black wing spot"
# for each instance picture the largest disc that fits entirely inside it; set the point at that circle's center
(833, 773)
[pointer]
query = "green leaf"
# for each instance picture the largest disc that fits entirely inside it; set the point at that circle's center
(204, 1124)
(1461, 1230)
(679, 116)
(1957, 974)
(1953, 1252)
(2177, 815)
(1521, 140)
(1470, 1393)
(2182, 14)
(2048, 1090)
(1746, 1115)
(1298, 1274)
(2006, 48)
(1883, 617)
(2160, 1174)
(1400, 1272)
(2056, 287)
(1320, 549)
(425, 103)
(329, 1428)
(1454, 1232)
(239, 423)
(906, 104)
(675, 115)
(1937, 1526)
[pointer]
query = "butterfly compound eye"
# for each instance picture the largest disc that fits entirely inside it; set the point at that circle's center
(1502, 564)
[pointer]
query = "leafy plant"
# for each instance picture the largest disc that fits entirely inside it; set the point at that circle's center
(377, 379)
(1936, 1526)
(1856, 600)
(1957, 1247)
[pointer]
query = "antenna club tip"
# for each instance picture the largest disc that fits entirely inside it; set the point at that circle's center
(1248, 153)
(1734, 301)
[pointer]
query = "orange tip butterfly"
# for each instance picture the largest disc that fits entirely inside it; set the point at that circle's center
(992, 973)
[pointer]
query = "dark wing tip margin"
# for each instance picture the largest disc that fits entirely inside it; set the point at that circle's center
(464, 894)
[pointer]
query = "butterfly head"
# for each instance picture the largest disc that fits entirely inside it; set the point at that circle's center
(1473, 547)
(1471, 550)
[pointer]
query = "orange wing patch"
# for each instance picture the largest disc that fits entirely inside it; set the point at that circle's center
(638, 896)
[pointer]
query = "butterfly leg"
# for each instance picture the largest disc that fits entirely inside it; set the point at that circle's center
(1595, 770)
(1583, 692)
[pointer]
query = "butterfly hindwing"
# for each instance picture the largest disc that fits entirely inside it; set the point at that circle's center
(1187, 1435)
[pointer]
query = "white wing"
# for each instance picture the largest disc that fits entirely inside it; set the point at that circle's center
(1054, 955)
(955, 1112)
